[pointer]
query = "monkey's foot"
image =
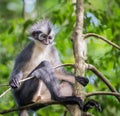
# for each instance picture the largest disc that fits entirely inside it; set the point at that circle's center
(90, 104)
(82, 80)
(71, 100)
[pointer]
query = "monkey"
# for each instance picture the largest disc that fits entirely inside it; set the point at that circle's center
(47, 84)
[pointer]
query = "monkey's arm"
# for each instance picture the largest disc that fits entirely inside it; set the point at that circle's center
(21, 60)
(17, 73)
(15, 80)
(61, 92)
(71, 78)
(62, 74)
(46, 73)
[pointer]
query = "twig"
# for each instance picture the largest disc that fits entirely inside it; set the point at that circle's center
(72, 65)
(3, 85)
(5, 92)
(104, 79)
(25, 79)
(102, 38)
(103, 93)
(29, 77)
(30, 105)
(10, 88)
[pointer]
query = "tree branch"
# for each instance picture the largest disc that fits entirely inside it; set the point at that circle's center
(101, 76)
(72, 65)
(3, 85)
(30, 105)
(102, 38)
(27, 78)
(103, 93)
(5, 92)
(79, 50)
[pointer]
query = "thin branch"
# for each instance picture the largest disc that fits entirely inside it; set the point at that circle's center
(101, 76)
(72, 65)
(5, 92)
(30, 105)
(29, 77)
(3, 85)
(103, 93)
(102, 38)
(10, 88)
(25, 79)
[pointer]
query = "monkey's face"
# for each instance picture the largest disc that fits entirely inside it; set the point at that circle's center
(43, 31)
(42, 37)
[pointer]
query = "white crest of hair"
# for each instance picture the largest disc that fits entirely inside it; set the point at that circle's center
(45, 25)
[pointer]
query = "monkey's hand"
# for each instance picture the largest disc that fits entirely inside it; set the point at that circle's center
(46, 73)
(15, 81)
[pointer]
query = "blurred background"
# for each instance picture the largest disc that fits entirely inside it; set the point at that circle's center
(101, 17)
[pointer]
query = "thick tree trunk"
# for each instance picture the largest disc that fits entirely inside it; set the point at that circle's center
(79, 47)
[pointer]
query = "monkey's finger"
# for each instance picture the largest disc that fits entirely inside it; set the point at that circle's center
(12, 84)
(16, 83)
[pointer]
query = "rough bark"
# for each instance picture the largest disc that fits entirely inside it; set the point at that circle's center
(79, 51)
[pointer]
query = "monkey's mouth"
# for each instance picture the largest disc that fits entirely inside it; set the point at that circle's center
(45, 41)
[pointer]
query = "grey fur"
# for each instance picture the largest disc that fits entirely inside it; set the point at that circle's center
(24, 94)
(22, 59)
(46, 24)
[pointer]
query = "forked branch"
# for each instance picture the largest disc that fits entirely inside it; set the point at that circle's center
(103, 93)
(102, 38)
(27, 78)
(102, 77)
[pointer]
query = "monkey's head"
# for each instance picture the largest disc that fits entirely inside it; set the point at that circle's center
(43, 31)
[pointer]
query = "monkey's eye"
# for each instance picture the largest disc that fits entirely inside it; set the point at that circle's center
(49, 37)
(44, 36)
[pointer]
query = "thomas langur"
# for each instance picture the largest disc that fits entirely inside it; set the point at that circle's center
(47, 84)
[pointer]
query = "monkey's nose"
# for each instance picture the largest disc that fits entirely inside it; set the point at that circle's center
(46, 41)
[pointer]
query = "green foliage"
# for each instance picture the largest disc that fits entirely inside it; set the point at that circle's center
(101, 17)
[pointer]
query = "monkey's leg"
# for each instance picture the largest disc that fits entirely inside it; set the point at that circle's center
(66, 89)
(71, 78)
(23, 113)
(47, 75)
